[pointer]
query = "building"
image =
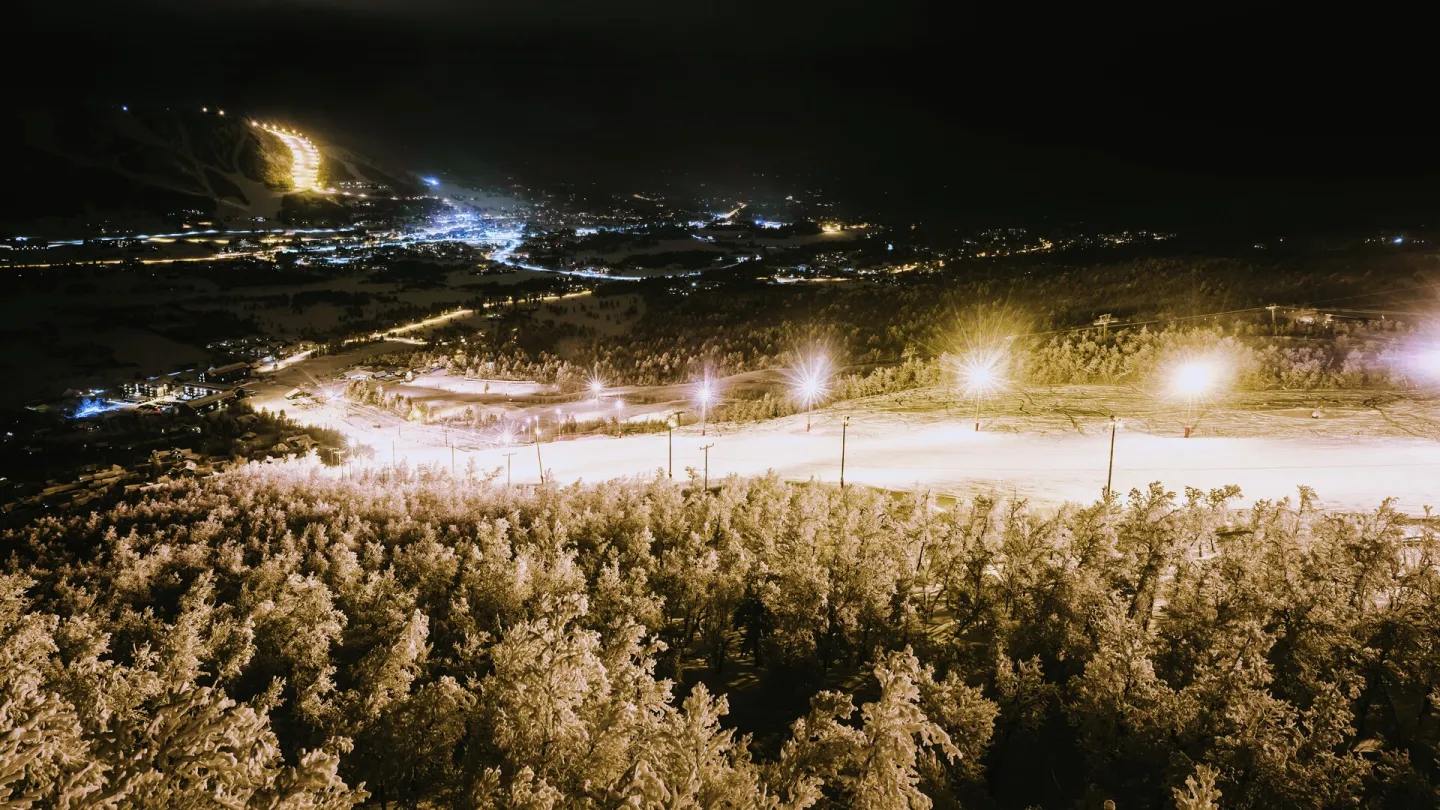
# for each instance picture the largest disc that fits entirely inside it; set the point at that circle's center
(211, 403)
(225, 374)
(197, 390)
(142, 390)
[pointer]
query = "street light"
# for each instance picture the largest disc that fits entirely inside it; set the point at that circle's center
(981, 375)
(1115, 425)
(705, 394)
(844, 431)
(619, 408)
(596, 386)
(811, 381)
(706, 448)
(538, 462)
(670, 448)
(1191, 381)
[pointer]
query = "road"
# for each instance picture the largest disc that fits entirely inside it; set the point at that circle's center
(951, 458)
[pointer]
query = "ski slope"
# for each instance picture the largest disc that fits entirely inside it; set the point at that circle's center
(951, 458)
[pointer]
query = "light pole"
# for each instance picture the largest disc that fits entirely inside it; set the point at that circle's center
(705, 396)
(507, 467)
(538, 462)
(844, 431)
(810, 380)
(670, 448)
(1191, 381)
(1110, 471)
(706, 448)
(619, 408)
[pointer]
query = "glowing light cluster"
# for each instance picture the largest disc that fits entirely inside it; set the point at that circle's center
(305, 173)
(982, 372)
(1194, 379)
(705, 392)
(810, 379)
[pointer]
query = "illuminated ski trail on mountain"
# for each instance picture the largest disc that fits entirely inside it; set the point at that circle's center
(305, 172)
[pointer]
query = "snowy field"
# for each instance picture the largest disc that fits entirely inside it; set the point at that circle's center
(1051, 447)
(950, 458)
(441, 381)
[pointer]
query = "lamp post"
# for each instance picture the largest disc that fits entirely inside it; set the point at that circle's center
(1192, 381)
(810, 380)
(1115, 425)
(705, 395)
(981, 373)
(538, 462)
(844, 431)
(706, 448)
(619, 408)
(670, 448)
(507, 467)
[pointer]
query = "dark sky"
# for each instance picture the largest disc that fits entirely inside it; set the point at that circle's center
(973, 103)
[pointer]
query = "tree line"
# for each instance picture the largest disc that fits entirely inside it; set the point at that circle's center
(281, 637)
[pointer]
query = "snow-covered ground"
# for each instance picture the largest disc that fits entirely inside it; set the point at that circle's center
(441, 381)
(951, 458)
(1357, 455)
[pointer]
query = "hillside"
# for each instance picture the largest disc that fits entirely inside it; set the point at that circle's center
(128, 166)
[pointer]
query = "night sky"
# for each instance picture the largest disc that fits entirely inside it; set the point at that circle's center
(972, 107)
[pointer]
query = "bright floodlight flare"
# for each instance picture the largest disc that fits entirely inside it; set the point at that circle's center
(704, 394)
(981, 374)
(1192, 381)
(811, 381)
(1428, 362)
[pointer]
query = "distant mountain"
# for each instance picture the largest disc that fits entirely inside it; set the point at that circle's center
(81, 166)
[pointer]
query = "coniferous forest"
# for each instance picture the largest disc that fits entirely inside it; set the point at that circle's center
(279, 638)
